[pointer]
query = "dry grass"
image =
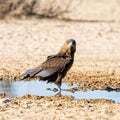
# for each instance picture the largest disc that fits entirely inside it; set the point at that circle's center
(36, 8)
(77, 10)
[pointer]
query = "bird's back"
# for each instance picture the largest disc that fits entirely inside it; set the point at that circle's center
(50, 68)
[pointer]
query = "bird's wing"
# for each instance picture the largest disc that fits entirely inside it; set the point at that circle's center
(31, 72)
(52, 66)
(47, 69)
(49, 72)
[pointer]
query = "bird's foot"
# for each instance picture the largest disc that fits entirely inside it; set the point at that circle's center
(58, 94)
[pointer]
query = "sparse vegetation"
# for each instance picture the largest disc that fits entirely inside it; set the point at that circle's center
(38, 8)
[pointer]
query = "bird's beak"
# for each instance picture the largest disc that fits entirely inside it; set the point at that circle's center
(70, 44)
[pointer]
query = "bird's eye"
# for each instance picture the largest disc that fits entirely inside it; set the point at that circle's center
(73, 42)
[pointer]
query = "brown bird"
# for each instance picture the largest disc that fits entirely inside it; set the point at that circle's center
(56, 66)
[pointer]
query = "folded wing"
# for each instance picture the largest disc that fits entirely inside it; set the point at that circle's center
(51, 67)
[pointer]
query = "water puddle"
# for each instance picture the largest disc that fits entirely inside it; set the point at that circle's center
(40, 88)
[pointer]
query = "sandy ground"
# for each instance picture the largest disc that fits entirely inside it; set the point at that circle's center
(58, 108)
(26, 43)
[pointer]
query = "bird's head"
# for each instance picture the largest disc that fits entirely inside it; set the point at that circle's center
(69, 47)
(71, 44)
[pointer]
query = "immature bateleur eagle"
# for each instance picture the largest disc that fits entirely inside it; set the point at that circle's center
(56, 66)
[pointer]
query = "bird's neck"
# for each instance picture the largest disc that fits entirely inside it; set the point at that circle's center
(66, 52)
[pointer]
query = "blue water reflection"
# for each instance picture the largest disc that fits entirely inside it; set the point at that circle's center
(35, 87)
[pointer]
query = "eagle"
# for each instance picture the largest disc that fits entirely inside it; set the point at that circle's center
(55, 67)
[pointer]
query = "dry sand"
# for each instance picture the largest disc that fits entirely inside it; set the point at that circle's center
(58, 108)
(26, 43)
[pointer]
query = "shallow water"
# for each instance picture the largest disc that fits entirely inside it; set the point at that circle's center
(40, 88)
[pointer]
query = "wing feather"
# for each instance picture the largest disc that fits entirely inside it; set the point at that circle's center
(50, 67)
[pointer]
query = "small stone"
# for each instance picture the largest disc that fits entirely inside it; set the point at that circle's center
(6, 100)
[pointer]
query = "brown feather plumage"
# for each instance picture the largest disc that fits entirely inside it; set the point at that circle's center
(56, 66)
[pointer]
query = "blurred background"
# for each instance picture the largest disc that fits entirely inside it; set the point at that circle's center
(78, 10)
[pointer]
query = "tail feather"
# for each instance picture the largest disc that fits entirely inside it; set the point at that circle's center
(25, 75)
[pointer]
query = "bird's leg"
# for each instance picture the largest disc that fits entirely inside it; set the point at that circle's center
(59, 89)
(58, 83)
